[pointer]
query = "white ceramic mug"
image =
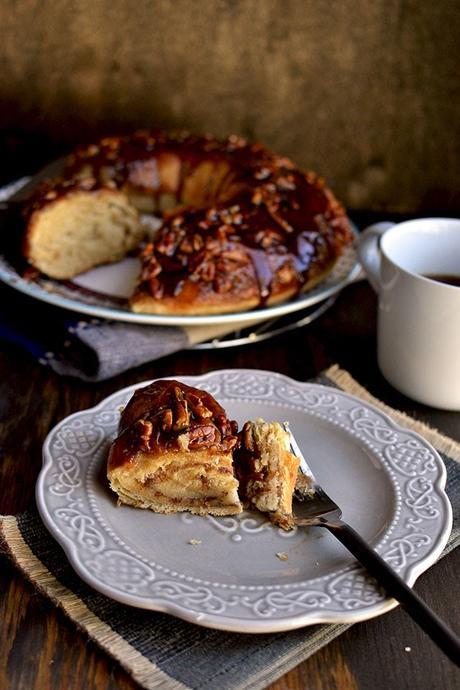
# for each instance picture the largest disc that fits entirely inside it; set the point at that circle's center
(418, 336)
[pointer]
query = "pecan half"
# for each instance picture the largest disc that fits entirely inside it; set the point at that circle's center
(181, 416)
(203, 436)
(198, 409)
(229, 442)
(206, 271)
(286, 274)
(222, 284)
(246, 437)
(268, 238)
(167, 420)
(145, 432)
(197, 242)
(186, 246)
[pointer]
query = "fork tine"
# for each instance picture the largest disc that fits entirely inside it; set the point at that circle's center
(304, 466)
(309, 494)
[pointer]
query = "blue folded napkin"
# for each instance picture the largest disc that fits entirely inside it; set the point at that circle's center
(90, 349)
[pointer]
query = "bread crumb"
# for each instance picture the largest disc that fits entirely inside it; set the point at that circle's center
(194, 542)
(407, 649)
(282, 556)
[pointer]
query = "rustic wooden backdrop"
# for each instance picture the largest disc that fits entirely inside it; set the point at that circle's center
(367, 93)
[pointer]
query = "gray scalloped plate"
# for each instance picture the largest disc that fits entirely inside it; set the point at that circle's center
(388, 480)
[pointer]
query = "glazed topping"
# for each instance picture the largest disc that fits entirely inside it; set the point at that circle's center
(49, 191)
(133, 159)
(171, 415)
(282, 233)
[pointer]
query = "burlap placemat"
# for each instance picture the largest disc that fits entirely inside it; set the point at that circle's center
(165, 653)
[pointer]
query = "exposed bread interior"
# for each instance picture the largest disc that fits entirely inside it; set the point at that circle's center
(85, 228)
(267, 470)
(200, 482)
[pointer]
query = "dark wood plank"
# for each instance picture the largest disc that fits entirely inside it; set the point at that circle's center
(389, 651)
(40, 647)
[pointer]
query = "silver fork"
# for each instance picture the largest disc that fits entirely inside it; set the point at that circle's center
(313, 507)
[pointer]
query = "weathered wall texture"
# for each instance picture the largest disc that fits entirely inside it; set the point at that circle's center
(364, 91)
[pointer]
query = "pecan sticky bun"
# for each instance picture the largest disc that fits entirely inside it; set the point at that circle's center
(174, 452)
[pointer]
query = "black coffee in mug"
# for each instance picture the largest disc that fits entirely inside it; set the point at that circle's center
(447, 278)
(418, 325)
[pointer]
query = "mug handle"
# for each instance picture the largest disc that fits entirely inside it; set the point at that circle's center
(369, 251)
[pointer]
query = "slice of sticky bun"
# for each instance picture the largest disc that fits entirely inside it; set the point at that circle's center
(267, 470)
(174, 452)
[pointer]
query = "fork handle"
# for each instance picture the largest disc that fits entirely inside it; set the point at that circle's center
(395, 587)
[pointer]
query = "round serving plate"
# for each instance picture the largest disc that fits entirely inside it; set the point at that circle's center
(104, 291)
(241, 573)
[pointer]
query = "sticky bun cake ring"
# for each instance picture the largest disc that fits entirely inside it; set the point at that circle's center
(242, 226)
(174, 452)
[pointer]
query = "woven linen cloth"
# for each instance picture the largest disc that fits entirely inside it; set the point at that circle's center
(92, 349)
(166, 653)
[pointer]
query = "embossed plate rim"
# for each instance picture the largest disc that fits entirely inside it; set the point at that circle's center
(254, 621)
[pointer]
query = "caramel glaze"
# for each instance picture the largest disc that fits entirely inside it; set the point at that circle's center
(264, 226)
(166, 415)
(50, 191)
(280, 241)
(135, 160)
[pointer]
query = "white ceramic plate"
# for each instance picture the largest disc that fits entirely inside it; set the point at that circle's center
(103, 292)
(388, 480)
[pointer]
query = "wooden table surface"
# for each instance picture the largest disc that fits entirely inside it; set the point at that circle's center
(40, 649)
